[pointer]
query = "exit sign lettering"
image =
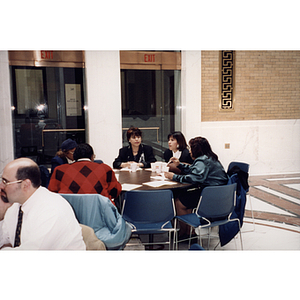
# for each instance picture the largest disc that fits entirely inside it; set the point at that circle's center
(46, 54)
(149, 58)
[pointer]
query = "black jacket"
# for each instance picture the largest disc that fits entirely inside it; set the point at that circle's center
(185, 156)
(145, 155)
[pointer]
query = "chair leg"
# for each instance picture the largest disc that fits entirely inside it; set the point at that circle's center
(208, 241)
(252, 215)
(240, 234)
(199, 238)
(175, 235)
(191, 230)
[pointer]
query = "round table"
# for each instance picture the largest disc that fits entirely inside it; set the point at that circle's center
(138, 178)
(144, 175)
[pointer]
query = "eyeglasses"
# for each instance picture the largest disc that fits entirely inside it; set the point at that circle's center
(6, 182)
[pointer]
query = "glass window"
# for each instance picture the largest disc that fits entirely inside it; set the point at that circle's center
(48, 108)
(149, 100)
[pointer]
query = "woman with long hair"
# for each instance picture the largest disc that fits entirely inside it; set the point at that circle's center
(177, 148)
(206, 170)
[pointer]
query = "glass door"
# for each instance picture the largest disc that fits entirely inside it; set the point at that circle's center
(47, 109)
(149, 101)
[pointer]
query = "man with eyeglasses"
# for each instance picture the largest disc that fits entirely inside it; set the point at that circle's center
(32, 217)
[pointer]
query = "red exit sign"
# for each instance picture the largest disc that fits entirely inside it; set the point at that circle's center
(149, 58)
(46, 54)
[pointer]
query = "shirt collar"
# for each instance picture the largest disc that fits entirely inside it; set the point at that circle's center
(32, 199)
(83, 159)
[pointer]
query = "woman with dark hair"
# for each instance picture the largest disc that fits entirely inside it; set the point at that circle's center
(64, 155)
(206, 170)
(135, 151)
(178, 149)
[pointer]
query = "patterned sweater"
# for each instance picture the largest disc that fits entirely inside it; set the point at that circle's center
(85, 177)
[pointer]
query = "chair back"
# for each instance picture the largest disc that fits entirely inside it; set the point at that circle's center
(217, 202)
(243, 166)
(148, 206)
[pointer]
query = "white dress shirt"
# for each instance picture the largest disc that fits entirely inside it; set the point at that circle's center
(48, 223)
(177, 154)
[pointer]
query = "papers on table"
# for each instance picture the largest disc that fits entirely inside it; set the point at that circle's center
(158, 177)
(127, 169)
(129, 186)
(159, 183)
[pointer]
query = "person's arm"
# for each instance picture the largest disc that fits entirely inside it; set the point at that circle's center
(56, 161)
(186, 157)
(196, 175)
(149, 156)
(4, 237)
(121, 160)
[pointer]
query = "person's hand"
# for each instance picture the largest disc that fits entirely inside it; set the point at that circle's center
(174, 169)
(126, 164)
(3, 208)
(169, 175)
(173, 161)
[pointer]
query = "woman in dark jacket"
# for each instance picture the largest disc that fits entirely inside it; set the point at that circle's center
(178, 149)
(206, 170)
(64, 155)
(135, 152)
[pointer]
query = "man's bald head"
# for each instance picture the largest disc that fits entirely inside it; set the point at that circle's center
(20, 179)
(25, 168)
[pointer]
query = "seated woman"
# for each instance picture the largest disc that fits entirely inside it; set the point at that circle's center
(177, 149)
(206, 170)
(64, 155)
(135, 152)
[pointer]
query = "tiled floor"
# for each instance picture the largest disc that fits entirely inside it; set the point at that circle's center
(275, 201)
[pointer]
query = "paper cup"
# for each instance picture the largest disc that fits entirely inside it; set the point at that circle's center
(153, 167)
(158, 167)
(165, 169)
(133, 167)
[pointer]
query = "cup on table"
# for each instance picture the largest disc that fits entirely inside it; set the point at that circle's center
(165, 169)
(153, 167)
(158, 167)
(133, 167)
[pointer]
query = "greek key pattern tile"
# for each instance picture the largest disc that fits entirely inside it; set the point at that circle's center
(227, 80)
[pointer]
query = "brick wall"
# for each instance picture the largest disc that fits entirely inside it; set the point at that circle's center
(267, 86)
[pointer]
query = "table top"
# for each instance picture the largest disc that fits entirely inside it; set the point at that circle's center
(142, 176)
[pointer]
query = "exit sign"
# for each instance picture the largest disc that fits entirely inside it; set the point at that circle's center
(149, 58)
(46, 54)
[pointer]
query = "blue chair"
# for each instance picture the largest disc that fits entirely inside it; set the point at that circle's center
(215, 208)
(150, 212)
(245, 168)
(97, 212)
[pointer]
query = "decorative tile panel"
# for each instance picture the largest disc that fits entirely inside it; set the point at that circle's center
(227, 80)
